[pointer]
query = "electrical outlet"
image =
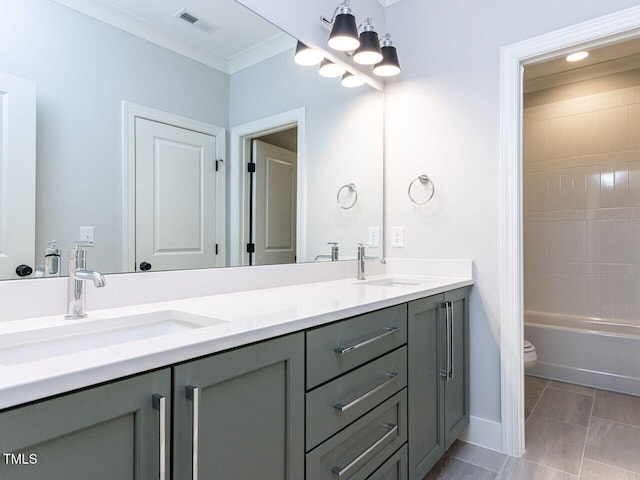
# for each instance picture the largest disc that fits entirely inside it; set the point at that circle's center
(373, 238)
(86, 234)
(397, 237)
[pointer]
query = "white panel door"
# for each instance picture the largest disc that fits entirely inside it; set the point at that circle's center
(274, 203)
(175, 197)
(17, 174)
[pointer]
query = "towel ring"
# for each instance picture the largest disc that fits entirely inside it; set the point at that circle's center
(429, 188)
(342, 203)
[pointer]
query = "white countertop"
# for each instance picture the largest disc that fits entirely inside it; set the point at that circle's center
(248, 316)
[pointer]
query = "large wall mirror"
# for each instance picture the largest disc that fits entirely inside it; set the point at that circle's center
(144, 128)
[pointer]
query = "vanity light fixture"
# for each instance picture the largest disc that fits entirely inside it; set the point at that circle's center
(368, 53)
(344, 30)
(389, 66)
(307, 56)
(350, 80)
(576, 57)
(329, 69)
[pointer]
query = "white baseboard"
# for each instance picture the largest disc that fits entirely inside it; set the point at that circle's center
(483, 433)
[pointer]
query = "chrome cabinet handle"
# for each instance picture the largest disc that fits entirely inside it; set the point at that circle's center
(451, 337)
(350, 348)
(444, 369)
(159, 404)
(193, 394)
(346, 406)
(340, 471)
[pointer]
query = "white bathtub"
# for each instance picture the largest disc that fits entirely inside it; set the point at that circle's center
(595, 352)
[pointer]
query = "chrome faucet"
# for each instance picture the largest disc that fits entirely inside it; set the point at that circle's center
(76, 302)
(361, 259)
(334, 252)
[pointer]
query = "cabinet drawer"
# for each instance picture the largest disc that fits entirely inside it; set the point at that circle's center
(357, 451)
(337, 348)
(336, 404)
(396, 468)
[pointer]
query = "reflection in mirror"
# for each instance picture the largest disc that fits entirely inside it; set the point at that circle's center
(144, 131)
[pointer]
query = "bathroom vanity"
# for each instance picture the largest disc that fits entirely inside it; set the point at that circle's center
(336, 379)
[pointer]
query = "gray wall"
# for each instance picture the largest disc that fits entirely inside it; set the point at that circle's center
(83, 70)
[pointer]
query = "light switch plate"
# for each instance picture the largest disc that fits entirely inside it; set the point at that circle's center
(86, 234)
(373, 238)
(397, 237)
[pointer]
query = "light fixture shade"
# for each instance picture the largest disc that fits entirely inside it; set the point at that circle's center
(344, 33)
(350, 80)
(307, 56)
(329, 69)
(389, 66)
(368, 53)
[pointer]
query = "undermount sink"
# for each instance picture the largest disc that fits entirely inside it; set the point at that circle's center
(33, 345)
(393, 282)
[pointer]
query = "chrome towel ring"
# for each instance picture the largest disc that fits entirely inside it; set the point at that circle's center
(347, 196)
(420, 193)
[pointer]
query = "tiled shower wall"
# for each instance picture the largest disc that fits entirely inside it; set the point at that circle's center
(582, 206)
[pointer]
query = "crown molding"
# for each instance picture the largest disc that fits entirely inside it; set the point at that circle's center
(117, 18)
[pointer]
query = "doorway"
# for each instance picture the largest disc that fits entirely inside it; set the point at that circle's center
(267, 207)
(272, 208)
(581, 178)
(602, 31)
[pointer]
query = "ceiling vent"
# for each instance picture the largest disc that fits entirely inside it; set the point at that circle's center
(193, 20)
(187, 17)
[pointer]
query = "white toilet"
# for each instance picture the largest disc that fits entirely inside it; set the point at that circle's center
(530, 355)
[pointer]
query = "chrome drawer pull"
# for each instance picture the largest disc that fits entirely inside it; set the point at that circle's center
(158, 402)
(346, 406)
(350, 348)
(193, 394)
(340, 471)
(444, 366)
(451, 339)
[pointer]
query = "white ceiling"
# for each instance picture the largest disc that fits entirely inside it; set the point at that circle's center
(613, 58)
(216, 40)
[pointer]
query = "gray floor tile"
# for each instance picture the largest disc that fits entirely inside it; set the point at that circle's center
(530, 401)
(555, 444)
(614, 444)
(450, 468)
(534, 384)
(481, 457)
(617, 407)
(521, 469)
(565, 406)
(571, 387)
(599, 471)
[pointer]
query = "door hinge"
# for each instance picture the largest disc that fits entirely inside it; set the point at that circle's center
(218, 162)
(251, 167)
(217, 249)
(251, 247)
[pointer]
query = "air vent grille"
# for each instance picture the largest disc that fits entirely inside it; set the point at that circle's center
(187, 17)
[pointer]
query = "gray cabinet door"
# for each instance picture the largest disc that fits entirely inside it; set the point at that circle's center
(106, 432)
(438, 377)
(456, 400)
(426, 392)
(249, 413)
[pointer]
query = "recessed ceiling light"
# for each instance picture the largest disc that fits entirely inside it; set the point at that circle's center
(576, 57)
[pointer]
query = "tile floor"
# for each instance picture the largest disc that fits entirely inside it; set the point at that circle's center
(572, 433)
